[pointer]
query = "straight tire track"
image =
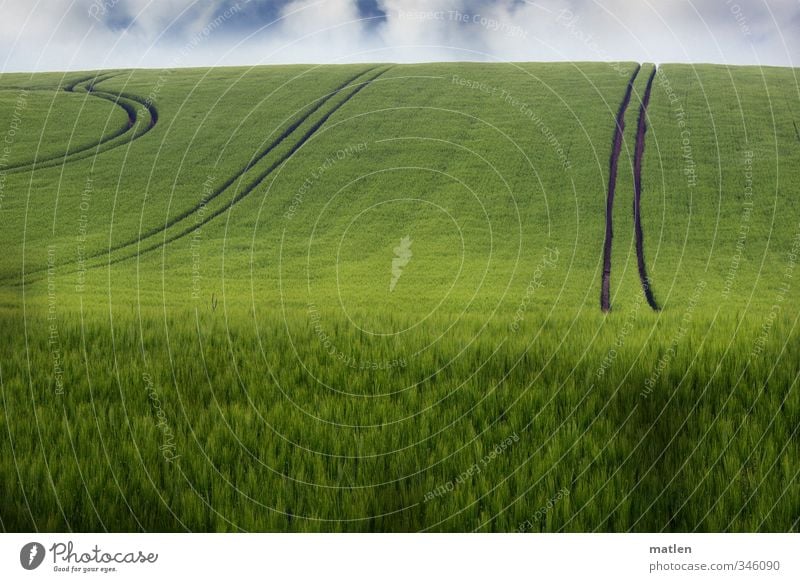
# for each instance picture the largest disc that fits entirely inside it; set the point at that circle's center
(605, 293)
(230, 181)
(233, 178)
(637, 194)
(254, 184)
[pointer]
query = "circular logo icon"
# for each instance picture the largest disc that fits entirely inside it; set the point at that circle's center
(31, 555)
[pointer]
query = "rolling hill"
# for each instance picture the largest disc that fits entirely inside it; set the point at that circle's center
(439, 297)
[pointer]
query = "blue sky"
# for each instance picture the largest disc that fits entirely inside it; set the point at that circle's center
(38, 35)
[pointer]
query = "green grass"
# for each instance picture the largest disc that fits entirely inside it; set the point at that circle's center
(51, 123)
(256, 373)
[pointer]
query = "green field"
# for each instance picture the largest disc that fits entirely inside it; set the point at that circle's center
(367, 298)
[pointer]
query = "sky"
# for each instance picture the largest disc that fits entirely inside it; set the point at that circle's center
(54, 35)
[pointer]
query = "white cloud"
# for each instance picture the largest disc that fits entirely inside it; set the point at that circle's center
(59, 34)
(319, 31)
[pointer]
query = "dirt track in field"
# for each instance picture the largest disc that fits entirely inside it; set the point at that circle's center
(121, 100)
(194, 225)
(637, 194)
(605, 293)
(135, 243)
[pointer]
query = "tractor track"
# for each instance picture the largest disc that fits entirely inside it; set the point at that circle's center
(637, 194)
(616, 149)
(96, 78)
(350, 83)
(256, 182)
(237, 175)
(124, 101)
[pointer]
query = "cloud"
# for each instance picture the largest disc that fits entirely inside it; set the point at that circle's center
(88, 34)
(316, 31)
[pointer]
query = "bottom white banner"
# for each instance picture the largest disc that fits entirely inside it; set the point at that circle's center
(389, 557)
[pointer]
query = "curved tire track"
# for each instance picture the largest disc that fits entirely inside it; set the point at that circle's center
(236, 176)
(253, 184)
(357, 88)
(605, 293)
(95, 78)
(124, 101)
(637, 194)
